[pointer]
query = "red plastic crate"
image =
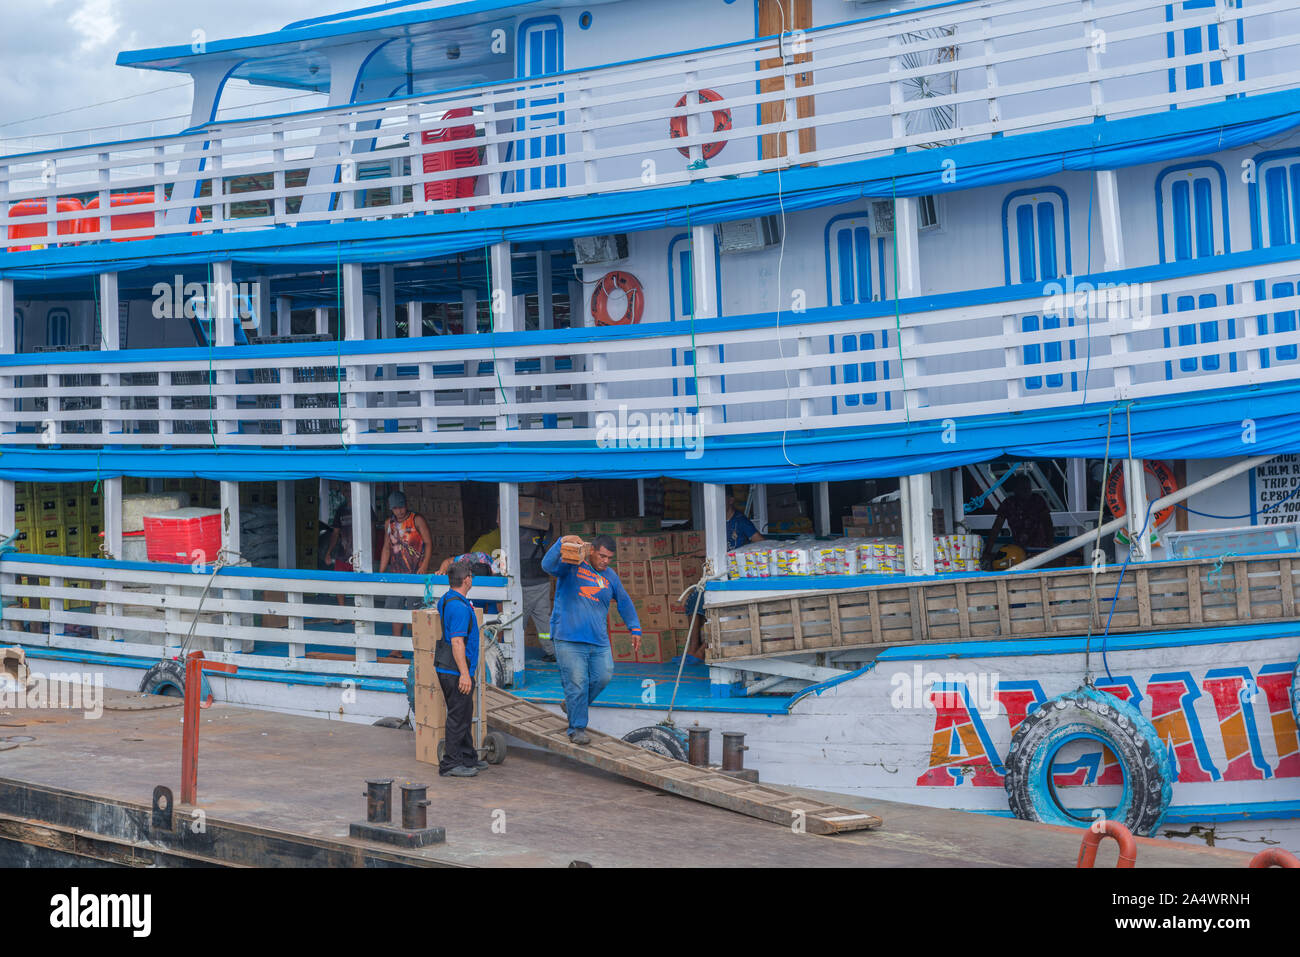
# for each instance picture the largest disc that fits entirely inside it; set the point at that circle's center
(178, 535)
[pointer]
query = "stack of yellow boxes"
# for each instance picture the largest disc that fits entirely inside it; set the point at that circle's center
(58, 518)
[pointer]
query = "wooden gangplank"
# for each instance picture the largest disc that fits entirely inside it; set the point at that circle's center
(537, 726)
(1192, 593)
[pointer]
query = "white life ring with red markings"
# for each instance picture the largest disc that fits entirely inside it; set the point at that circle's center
(630, 286)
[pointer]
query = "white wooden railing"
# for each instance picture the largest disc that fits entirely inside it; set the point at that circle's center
(909, 81)
(786, 373)
(146, 611)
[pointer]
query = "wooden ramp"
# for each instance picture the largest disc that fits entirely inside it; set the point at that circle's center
(1190, 593)
(538, 726)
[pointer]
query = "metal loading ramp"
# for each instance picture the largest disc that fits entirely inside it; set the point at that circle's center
(535, 725)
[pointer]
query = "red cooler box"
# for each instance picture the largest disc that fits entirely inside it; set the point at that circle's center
(176, 536)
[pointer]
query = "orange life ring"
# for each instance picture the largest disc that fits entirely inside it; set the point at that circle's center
(721, 124)
(631, 287)
(1160, 471)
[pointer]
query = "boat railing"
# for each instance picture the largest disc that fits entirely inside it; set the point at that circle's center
(954, 73)
(673, 385)
(270, 618)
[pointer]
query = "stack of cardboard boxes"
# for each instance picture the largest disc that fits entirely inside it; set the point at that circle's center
(574, 503)
(430, 709)
(58, 518)
(882, 520)
(457, 513)
(655, 569)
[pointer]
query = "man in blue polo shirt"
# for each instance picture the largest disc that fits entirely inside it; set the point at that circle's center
(456, 661)
(582, 596)
(740, 530)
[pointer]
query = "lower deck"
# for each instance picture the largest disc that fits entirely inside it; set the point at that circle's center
(303, 779)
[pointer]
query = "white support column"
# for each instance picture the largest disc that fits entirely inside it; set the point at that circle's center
(265, 324)
(715, 526)
(822, 508)
(907, 222)
(1135, 509)
(322, 321)
(283, 316)
(512, 641)
(388, 330)
(111, 339)
(546, 318)
(230, 541)
(1076, 488)
(111, 332)
(221, 309)
(505, 318)
(943, 497)
(918, 526)
(1110, 219)
(414, 319)
(578, 318)
(354, 329)
(363, 561)
(286, 523)
(469, 322)
(8, 489)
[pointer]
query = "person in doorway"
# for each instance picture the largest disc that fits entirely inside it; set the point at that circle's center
(456, 661)
(338, 554)
(406, 551)
(535, 583)
(1028, 515)
(582, 596)
(740, 530)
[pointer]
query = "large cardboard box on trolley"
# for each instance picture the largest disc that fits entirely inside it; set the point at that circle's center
(430, 708)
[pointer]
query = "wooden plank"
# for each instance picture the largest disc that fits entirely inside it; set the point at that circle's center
(1241, 579)
(1143, 598)
(797, 622)
(1288, 588)
(874, 614)
(1004, 608)
(1046, 604)
(755, 632)
(1195, 614)
(837, 636)
(646, 767)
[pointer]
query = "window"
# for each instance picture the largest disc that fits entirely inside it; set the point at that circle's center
(541, 52)
(1193, 40)
(1191, 220)
(681, 305)
(1276, 224)
(928, 212)
(855, 261)
(1036, 248)
(56, 327)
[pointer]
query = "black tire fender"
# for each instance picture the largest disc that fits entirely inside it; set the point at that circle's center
(167, 677)
(1089, 713)
(660, 740)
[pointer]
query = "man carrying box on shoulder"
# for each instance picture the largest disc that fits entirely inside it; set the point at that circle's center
(582, 594)
(456, 661)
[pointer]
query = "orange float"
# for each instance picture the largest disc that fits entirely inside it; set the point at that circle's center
(721, 124)
(631, 288)
(1160, 471)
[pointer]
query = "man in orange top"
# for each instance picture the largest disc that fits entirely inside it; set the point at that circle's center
(406, 550)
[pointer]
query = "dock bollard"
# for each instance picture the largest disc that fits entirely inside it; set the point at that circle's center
(733, 751)
(379, 800)
(415, 807)
(698, 747)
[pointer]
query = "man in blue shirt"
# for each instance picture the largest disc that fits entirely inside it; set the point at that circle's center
(456, 661)
(582, 596)
(740, 530)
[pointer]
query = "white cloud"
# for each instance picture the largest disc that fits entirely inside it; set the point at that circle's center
(96, 21)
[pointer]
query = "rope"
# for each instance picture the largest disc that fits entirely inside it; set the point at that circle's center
(705, 578)
(223, 560)
(1267, 508)
(979, 500)
(1092, 579)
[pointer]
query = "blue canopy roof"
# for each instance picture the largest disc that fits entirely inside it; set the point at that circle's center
(423, 41)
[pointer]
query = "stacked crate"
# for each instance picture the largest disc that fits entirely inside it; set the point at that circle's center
(655, 569)
(576, 503)
(457, 513)
(58, 518)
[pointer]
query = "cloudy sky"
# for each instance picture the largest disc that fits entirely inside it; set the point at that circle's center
(58, 55)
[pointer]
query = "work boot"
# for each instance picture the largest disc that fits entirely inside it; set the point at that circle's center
(481, 765)
(580, 737)
(460, 771)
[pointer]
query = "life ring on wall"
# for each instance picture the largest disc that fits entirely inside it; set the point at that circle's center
(630, 286)
(1089, 713)
(1160, 471)
(721, 124)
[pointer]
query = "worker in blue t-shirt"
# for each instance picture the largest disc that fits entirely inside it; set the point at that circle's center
(740, 530)
(456, 662)
(582, 653)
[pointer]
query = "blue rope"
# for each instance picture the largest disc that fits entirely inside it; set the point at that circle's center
(1142, 537)
(979, 500)
(1267, 508)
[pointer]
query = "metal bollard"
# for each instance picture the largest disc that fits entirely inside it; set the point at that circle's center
(379, 800)
(415, 807)
(733, 751)
(698, 747)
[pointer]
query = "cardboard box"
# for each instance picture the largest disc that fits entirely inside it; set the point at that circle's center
(652, 648)
(535, 513)
(635, 577)
(683, 571)
(659, 576)
(620, 644)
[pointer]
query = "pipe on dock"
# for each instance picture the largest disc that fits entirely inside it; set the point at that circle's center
(697, 753)
(415, 807)
(733, 751)
(379, 800)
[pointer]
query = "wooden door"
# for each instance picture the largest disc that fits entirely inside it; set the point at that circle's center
(774, 17)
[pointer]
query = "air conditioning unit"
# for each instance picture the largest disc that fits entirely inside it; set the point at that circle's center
(882, 216)
(594, 250)
(747, 235)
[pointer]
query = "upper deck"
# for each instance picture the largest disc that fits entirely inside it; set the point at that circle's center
(817, 104)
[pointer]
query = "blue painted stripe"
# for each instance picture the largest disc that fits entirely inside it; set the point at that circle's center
(1203, 813)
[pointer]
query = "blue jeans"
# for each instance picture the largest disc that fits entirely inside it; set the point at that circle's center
(585, 669)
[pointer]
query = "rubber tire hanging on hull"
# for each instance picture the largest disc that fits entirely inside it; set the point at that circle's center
(170, 674)
(1295, 691)
(658, 739)
(1089, 713)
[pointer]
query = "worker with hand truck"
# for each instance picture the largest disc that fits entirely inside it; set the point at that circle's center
(456, 662)
(584, 585)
